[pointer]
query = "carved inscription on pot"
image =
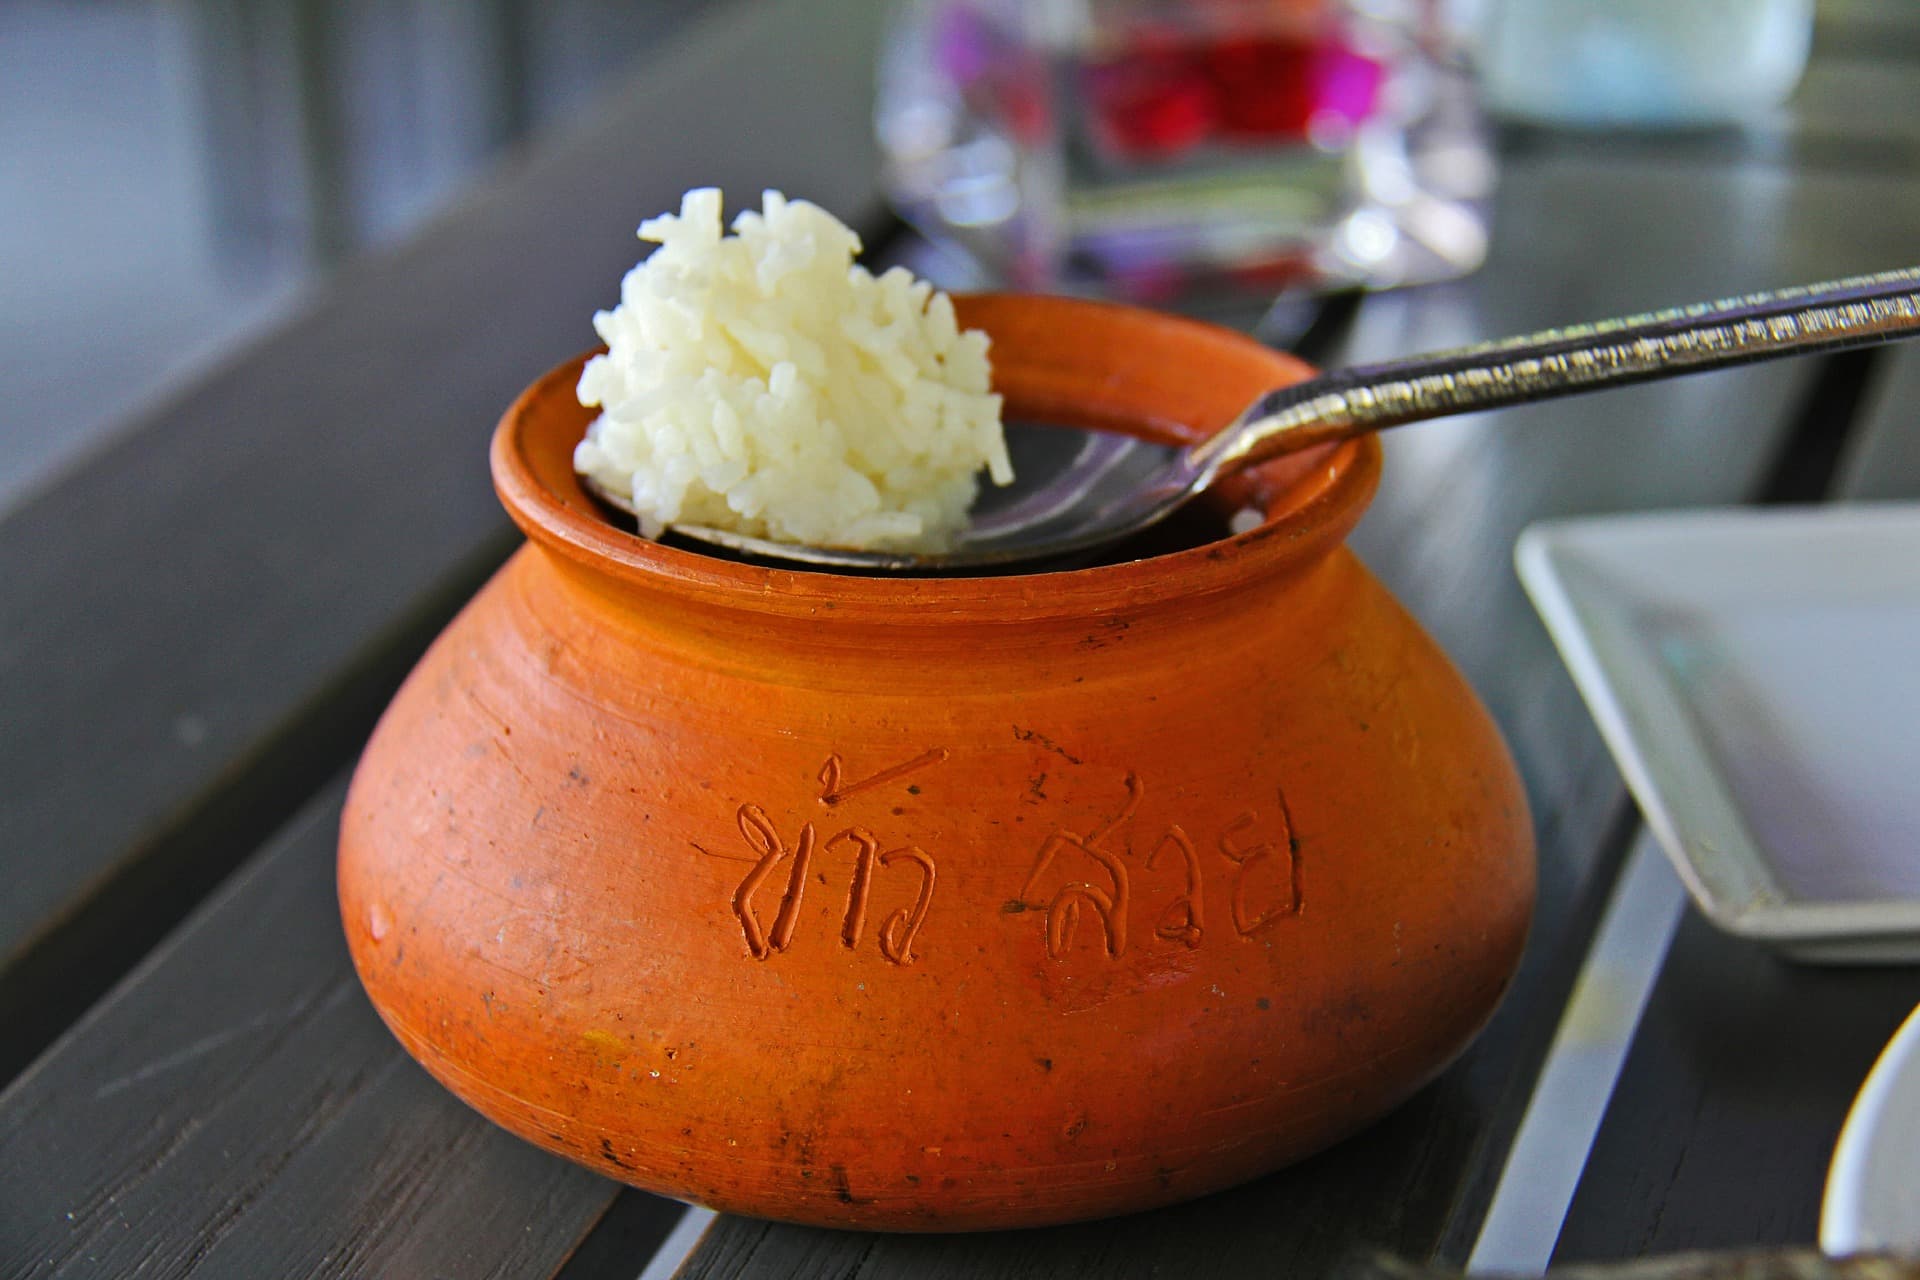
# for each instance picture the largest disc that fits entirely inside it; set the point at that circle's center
(769, 928)
(1253, 861)
(897, 932)
(834, 787)
(1256, 848)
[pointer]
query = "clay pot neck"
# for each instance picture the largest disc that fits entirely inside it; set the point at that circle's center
(1060, 360)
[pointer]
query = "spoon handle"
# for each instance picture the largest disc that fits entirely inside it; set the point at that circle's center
(1558, 362)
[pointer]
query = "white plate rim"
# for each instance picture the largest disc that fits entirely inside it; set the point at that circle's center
(1847, 1224)
(1697, 821)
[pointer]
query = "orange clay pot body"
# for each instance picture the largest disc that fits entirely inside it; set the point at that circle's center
(941, 903)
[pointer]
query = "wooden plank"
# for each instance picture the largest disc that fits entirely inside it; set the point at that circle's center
(632, 1234)
(1455, 496)
(1725, 1115)
(237, 1108)
(179, 616)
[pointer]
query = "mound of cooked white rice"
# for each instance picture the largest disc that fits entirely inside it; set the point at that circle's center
(761, 382)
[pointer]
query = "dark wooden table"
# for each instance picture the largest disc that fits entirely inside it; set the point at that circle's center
(198, 627)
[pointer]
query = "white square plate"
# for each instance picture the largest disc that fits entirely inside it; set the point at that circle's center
(1757, 677)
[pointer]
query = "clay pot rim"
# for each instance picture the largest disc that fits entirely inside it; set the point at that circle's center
(1311, 501)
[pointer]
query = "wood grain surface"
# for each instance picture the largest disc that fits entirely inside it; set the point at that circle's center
(197, 627)
(236, 1108)
(1724, 1119)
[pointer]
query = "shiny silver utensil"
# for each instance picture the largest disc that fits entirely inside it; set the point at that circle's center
(1118, 485)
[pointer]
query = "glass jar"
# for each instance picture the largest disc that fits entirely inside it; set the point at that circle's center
(1140, 148)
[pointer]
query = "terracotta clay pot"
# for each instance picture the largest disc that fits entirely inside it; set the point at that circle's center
(941, 903)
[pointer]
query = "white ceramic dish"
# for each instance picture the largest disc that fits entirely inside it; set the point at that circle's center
(1873, 1188)
(1757, 677)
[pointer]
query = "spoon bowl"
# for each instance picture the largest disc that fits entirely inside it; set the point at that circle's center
(1071, 493)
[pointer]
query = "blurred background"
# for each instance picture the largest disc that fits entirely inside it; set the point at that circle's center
(175, 174)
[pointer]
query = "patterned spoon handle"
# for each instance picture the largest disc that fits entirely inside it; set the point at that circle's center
(1559, 362)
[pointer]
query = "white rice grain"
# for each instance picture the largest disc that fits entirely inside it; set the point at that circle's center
(761, 382)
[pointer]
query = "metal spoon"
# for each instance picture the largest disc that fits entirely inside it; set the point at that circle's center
(1118, 485)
